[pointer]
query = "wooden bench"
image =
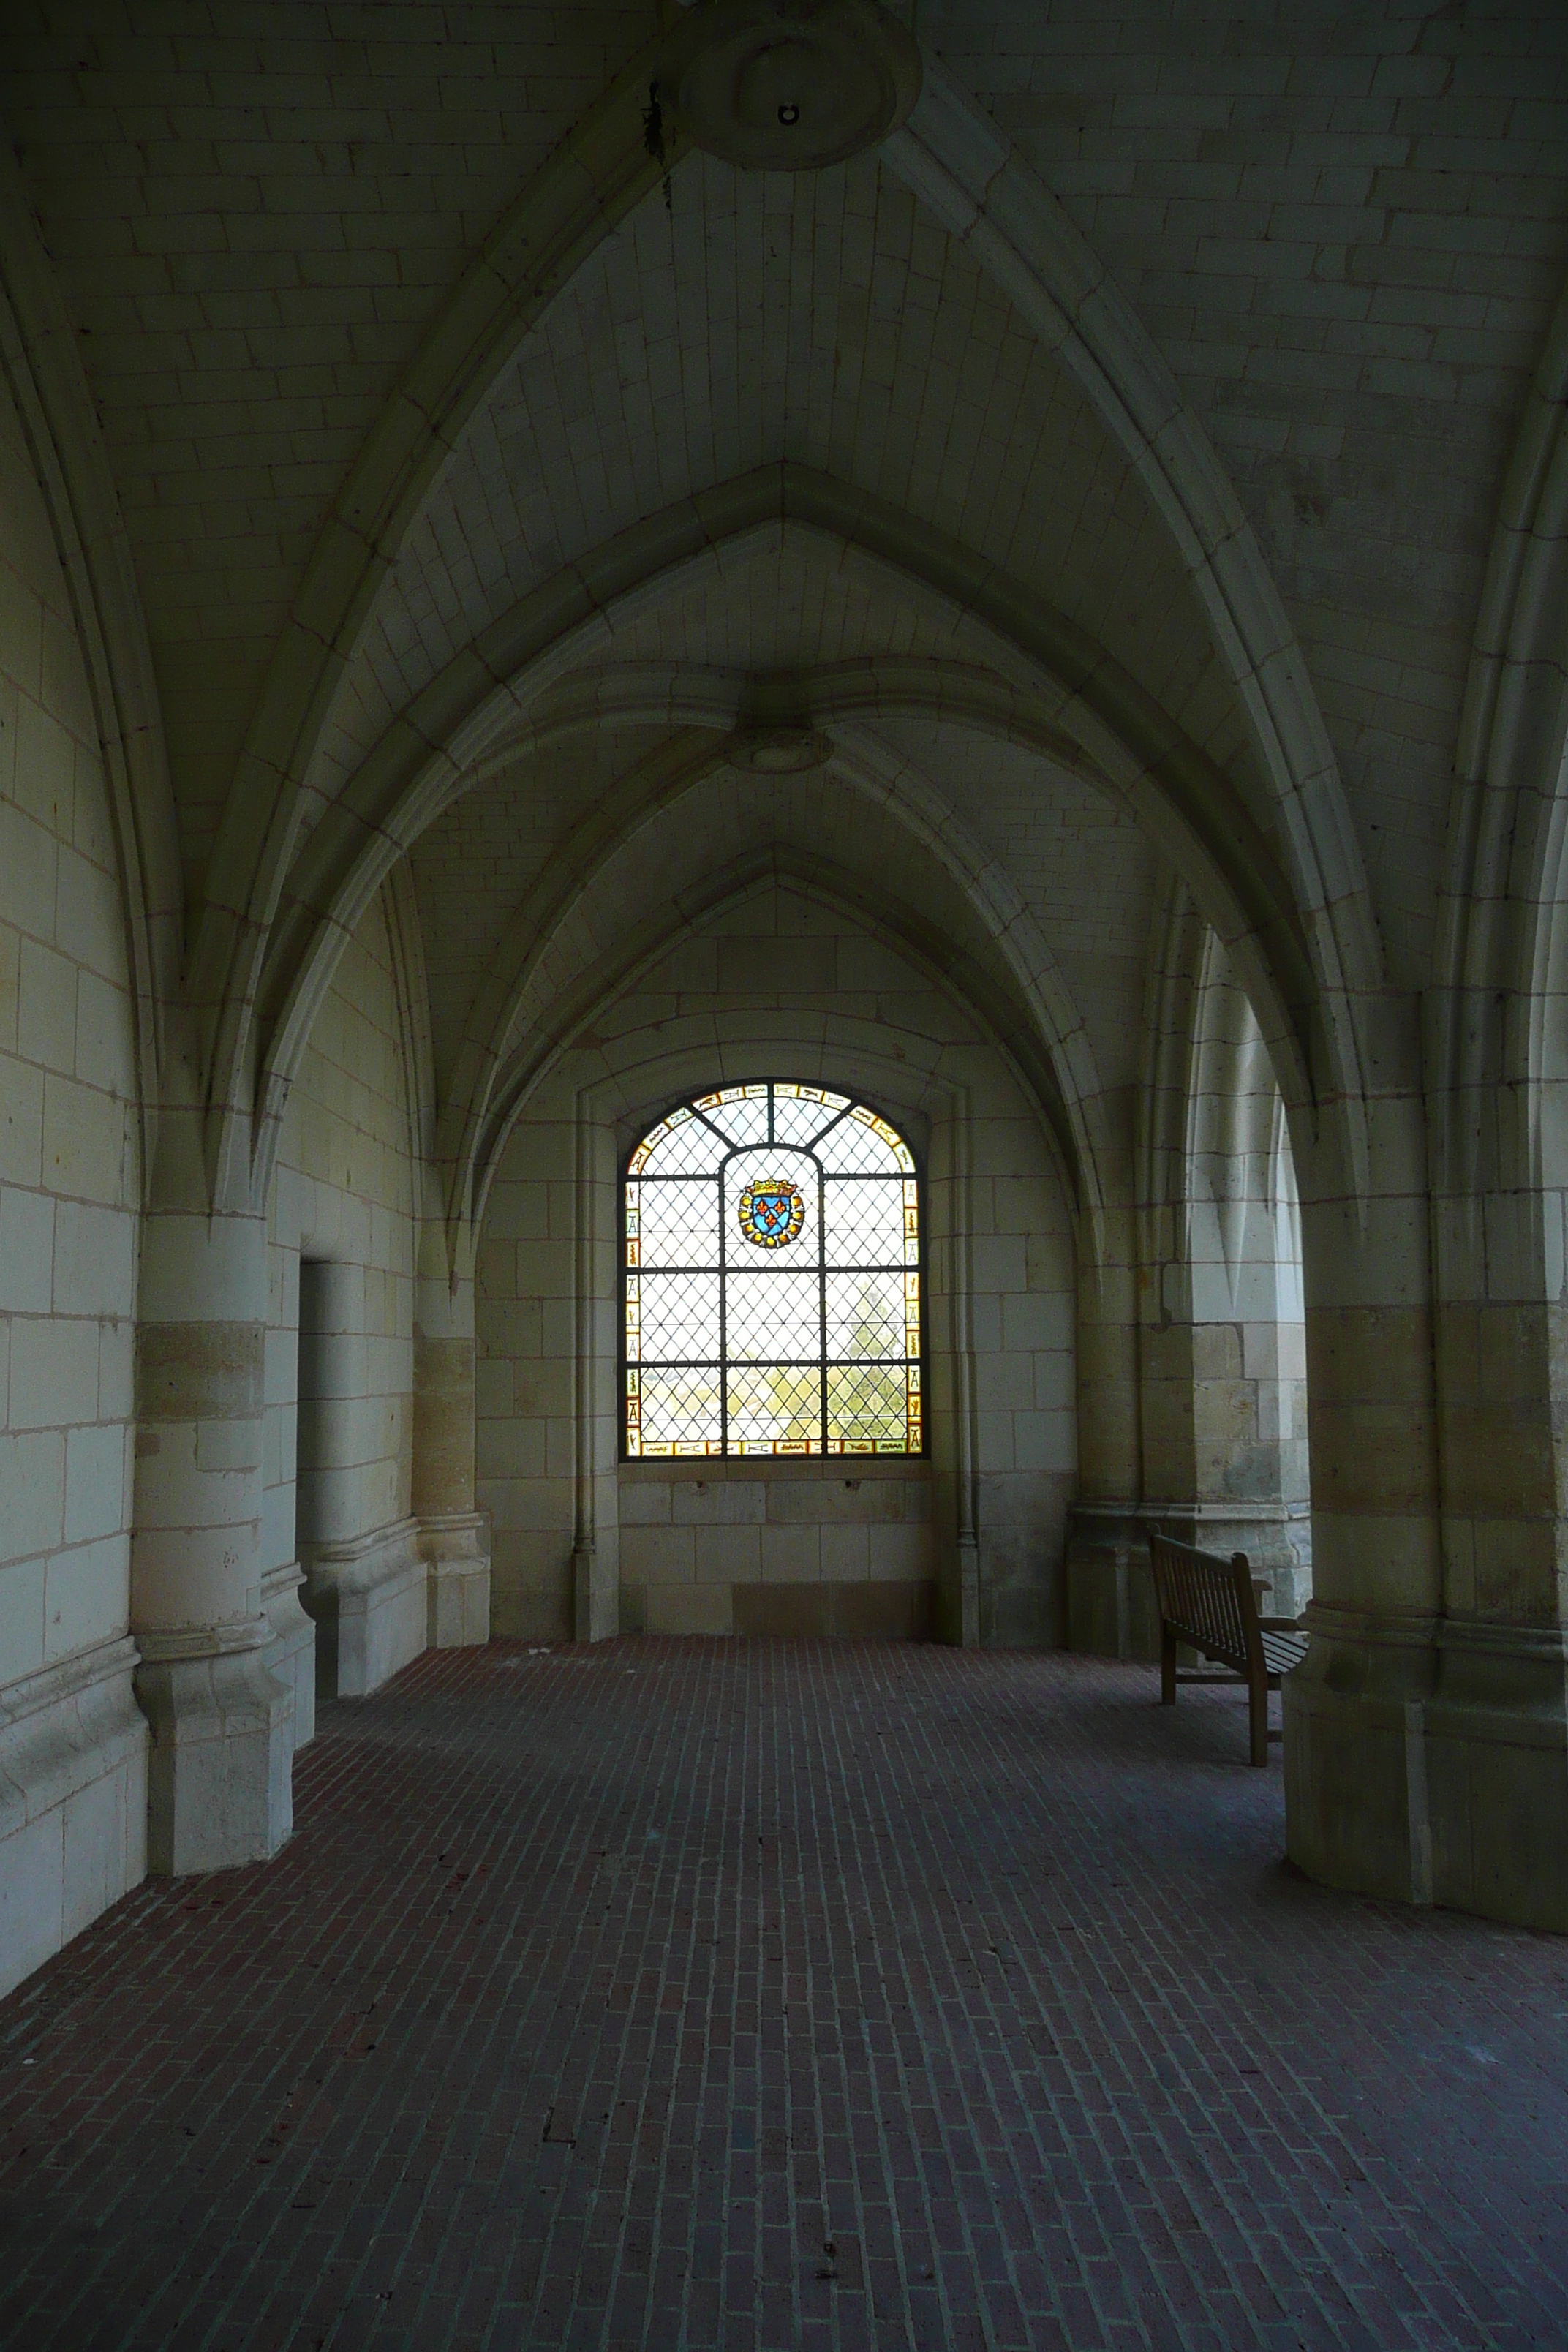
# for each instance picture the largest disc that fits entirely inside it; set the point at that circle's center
(1209, 1603)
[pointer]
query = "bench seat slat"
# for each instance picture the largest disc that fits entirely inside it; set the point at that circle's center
(1208, 1604)
(1281, 1652)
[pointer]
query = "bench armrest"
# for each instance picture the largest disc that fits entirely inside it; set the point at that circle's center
(1282, 1625)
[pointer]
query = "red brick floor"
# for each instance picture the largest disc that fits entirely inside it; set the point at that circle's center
(778, 1994)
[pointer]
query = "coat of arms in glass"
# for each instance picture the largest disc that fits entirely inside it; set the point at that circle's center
(772, 1279)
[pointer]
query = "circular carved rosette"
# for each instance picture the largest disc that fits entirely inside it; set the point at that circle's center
(789, 85)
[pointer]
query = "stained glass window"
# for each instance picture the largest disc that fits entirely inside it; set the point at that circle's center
(773, 1276)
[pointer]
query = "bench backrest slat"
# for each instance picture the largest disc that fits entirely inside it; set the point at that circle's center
(1207, 1601)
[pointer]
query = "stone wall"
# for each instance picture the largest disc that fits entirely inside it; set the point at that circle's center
(72, 1743)
(712, 1546)
(784, 1547)
(342, 1246)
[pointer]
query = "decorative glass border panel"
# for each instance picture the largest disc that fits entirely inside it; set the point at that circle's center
(772, 1279)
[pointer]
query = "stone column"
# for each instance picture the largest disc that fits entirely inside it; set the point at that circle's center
(1224, 1454)
(1224, 1368)
(597, 1309)
(1109, 1603)
(1357, 1810)
(220, 1784)
(454, 1538)
(1495, 1717)
(950, 1401)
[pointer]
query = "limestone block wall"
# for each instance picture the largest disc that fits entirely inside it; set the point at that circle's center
(539, 1284)
(707, 1546)
(1005, 1278)
(833, 1546)
(72, 1741)
(341, 1267)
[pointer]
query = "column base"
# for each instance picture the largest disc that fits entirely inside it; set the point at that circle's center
(219, 1771)
(367, 1598)
(1428, 1763)
(1111, 1593)
(291, 1654)
(595, 1595)
(73, 1802)
(456, 1550)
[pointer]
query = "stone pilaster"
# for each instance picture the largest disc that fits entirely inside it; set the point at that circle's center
(1496, 1716)
(1106, 1558)
(219, 1771)
(453, 1537)
(1357, 1812)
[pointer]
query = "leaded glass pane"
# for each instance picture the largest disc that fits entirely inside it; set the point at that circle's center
(740, 1113)
(864, 1219)
(677, 1411)
(861, 1144)
(776, 1409)
(678, 1222)
(677, 1319)
(685, 1150)
(799, 1113)
(773, 1315)
(867, 1408)
(866, 1315)
(771, 1261)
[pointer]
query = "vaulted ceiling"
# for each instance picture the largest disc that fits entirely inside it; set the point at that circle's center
(1342, 232)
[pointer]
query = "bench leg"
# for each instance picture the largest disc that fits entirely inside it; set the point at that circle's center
(1258, 1709)
(1167, 1668)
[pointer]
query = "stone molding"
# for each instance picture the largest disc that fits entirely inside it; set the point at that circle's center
(1386, 1628)
(1543, 1644)
(1074, 1096)
(594, 177)
(779, 86)
(918, 938)
(476, 709)
(1502, 888)
(41, 359)
(380, 1598)
(953, 156)
(456, 1549)
(901, 925)
(160, 1644)
(66, 1727)
(361, 1563)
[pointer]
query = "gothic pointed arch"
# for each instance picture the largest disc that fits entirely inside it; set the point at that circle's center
(43, 375)
(962, 166)
(1069, 690)
(1498, 954)
(496, 1029)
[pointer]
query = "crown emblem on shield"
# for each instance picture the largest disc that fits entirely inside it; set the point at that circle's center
(772, 1214)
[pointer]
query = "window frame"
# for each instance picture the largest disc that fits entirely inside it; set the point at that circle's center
(922, 1361)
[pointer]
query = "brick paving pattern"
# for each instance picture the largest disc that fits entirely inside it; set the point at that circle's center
(783, 1994)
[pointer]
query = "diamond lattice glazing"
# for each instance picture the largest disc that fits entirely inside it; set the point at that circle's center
(771, 1261)
(678, 1222)
(863, 1217)
(866, 1316)
(867, 1408)
(675, 1412)
(774, 1316)
(776, 1409)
